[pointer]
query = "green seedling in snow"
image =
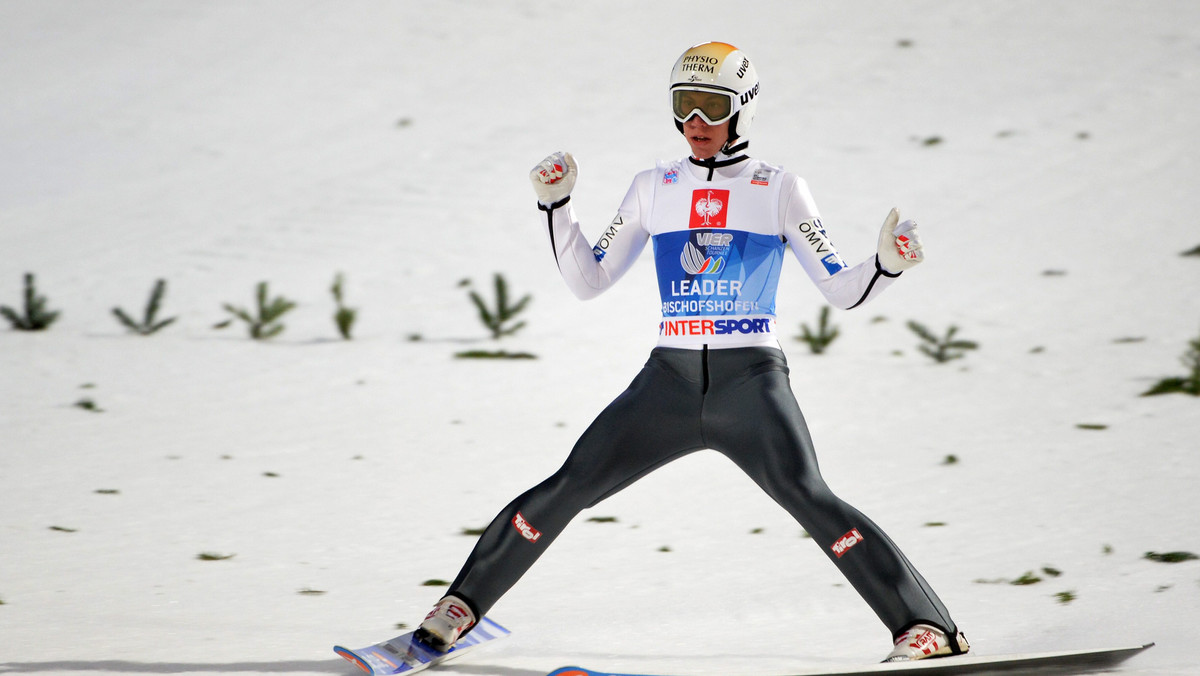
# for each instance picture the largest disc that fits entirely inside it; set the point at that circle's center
(264, 322)
(344, 316)
(35, 317)
(498, 318)
(942, 349)
(149, 324)
(1189, 384)
(824, 334)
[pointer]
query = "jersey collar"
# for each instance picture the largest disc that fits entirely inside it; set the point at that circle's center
(722, 160)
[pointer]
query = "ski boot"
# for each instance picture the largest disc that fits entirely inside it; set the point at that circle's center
(446, 623)
(922, 641)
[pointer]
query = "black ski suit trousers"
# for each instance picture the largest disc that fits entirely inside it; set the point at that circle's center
(739, 402)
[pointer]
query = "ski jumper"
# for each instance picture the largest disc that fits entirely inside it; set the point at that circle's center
(717, 379)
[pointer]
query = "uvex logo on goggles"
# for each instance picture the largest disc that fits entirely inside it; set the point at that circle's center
(712, 106)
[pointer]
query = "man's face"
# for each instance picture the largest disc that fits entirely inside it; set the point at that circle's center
(705, 139)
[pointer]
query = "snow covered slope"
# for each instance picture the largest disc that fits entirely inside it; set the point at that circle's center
(1049, 151)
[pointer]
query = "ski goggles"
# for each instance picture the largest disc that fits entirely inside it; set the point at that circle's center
(713, 107)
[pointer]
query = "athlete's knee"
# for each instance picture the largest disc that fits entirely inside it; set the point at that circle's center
(567, 490)
(800, 495)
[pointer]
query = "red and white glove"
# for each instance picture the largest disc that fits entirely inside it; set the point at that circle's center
(899, 244)
(554, 177)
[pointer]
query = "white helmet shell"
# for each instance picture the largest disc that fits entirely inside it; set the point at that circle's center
(720, 67)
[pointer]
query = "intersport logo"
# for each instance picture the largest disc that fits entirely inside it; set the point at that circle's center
(528, 532)
(847, 541)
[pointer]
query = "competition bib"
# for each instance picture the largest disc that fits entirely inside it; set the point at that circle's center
(718, 254)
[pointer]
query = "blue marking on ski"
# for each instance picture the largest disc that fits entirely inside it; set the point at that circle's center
(405, 654)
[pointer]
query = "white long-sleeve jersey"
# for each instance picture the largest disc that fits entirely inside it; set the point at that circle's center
(719, 229)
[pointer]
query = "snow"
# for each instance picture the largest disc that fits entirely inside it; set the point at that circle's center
(221, 144)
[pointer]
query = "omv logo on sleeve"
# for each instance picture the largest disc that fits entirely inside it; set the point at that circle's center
(607, 237)
(813, 234)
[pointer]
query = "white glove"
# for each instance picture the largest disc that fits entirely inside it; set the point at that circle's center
(899, 245)
(554, 177)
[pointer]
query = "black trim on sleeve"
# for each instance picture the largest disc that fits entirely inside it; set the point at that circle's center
(882, 271)
(879, 271)
(550, 224)
(554, 206)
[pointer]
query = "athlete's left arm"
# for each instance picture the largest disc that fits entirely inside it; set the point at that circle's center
(843, 286)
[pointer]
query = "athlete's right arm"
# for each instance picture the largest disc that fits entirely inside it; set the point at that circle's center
(588, 270)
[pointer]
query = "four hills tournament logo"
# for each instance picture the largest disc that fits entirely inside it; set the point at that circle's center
(696, 263)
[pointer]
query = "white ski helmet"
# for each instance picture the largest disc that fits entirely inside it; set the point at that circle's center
(716, 81)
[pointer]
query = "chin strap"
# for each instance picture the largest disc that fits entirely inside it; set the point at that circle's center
(733, 146)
